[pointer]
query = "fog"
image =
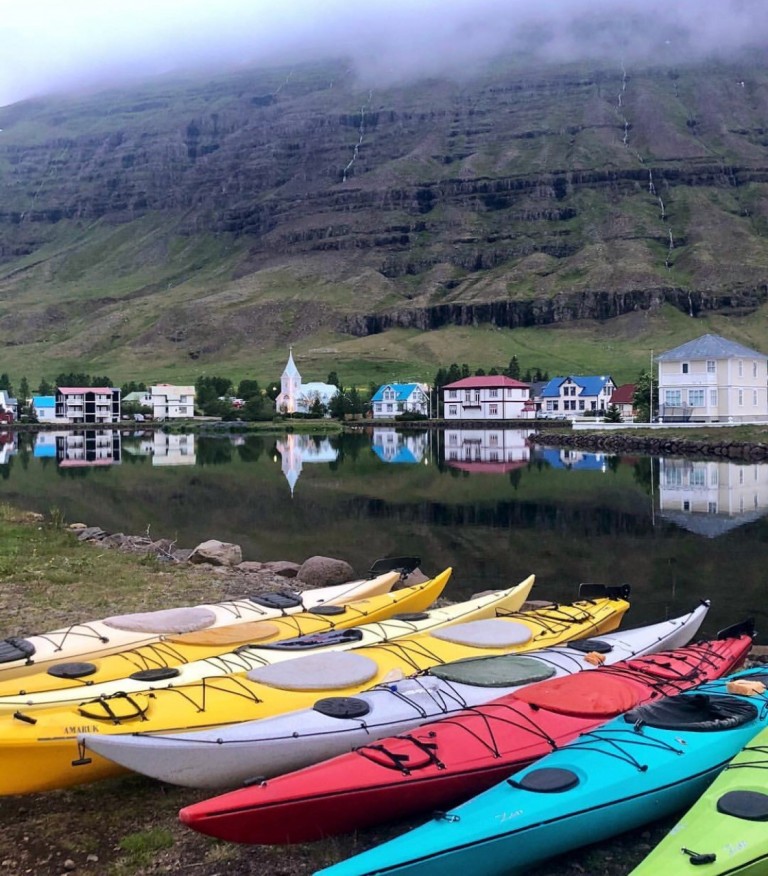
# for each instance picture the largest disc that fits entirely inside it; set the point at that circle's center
(51, 46)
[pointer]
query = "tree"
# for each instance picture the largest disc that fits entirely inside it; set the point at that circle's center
(247, 389)
(45, 388)
(5, 383)
(645, 390)
(612, 414)
(24, 396)
(480, 372)
(513, 369)
(333, 379)
(465, 370)
(273, 390)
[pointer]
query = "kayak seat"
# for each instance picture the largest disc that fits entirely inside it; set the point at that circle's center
(590, 645)
(749, 805)
(332, 670)
(15, 649)
(698, 712)
(312, 640)
(411, 616)
(502, 670)
(328, 610)
(165, 621)
(585, 694)
(342, 707)
(546, 780)
(163, 673)
(276, 600)
(71, 670)
(490, 633)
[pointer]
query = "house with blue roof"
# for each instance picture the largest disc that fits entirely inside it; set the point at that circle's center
(711, 379)
(399, 398)
(44, 408)
(575, 396)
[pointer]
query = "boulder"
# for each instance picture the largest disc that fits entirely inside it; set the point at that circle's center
(284, 568)
(412, 579)
(324, 571)
(250, 566)
(217, 553)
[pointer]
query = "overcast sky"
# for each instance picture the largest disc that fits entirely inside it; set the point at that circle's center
(52, 46)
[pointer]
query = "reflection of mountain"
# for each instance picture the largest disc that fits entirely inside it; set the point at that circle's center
(393, 446)
(81, 448)
(295, 450)
(493, 451)
(711, 497)
(571, 459)
(7, 447)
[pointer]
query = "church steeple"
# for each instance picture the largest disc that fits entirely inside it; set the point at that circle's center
(290, 385)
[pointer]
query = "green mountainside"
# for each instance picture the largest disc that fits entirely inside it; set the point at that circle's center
(578, 217)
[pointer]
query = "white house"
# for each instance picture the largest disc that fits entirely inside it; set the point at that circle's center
(710, 379)
(298, 397)
(399, 398)
(87, 404)
(44, 408)
(491, 397)
(8, 404)
(171, 402)
(575, 396)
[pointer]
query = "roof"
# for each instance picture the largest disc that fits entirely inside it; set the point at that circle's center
(488, 467)
(403, 391)
(43, 401)
(290, 369)
(590, 385)
(710, 347)
(492, 381)
(624, 394)
(80, 390)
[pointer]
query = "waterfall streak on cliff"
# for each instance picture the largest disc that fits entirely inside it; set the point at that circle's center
(361, 131)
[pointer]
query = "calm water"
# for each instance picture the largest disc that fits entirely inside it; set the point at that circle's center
(484, 502)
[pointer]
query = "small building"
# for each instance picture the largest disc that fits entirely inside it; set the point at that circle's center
(575, 396)
(624, 399)
(87, 404)
(44, 408)
(399, 398)
(169, 402)
(489, 397)
(9, 405)
(297, 397)
(712, 379)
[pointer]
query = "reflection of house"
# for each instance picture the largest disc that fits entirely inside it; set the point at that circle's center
(88, 404)
(81, 448)
(491, 397)
(486, 450)
(44, 408)
(574, 396)
(712, 379)
(7, 446)
(298, 397)
(576, 460)
(170, 449)
(399, 398)
(711, 497)
(295, 450)
(393, 446)
(172, 402)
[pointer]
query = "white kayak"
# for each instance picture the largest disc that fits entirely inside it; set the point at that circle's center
(229, 756)
(98, 638)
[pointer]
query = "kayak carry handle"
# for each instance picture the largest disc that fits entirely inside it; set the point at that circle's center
(696, 858)
(404, 565)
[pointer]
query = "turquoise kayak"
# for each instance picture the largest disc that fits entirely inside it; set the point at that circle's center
(650, 762)
(724, 833)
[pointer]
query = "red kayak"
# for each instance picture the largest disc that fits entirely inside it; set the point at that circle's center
(445, 762)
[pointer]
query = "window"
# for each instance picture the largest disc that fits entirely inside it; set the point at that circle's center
(684, 367)
(493, 410)
(673, 397)
(741, 398)
(493, 439)
(581, 404)
(698, 477)
(711, 367)
(452, 410)
(712, 507)
(452, 393)
(493, 393)
(713, 398)
(696, 398)
(453, 438)
(754, 398)
(686, 505)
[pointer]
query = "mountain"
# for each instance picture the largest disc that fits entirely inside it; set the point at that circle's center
(193, 225)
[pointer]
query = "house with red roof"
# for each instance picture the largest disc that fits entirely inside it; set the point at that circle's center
(487, 397)
(87, 404)
(623, 399)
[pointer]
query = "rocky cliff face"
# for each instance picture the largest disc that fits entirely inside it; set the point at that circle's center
(519, 198)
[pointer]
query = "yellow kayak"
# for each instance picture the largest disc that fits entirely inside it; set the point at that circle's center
(39, 750)
(217, 651)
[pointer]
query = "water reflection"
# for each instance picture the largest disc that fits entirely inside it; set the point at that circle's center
(576, 460)
(74, 449)
(295, 450)
(168, 449)
(712, 497)
(7, 446)
(494, 451)
(399, 447)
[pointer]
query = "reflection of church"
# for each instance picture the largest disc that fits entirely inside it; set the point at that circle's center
(711, 497)
(486, 450)
(298, 397)
(295, 450)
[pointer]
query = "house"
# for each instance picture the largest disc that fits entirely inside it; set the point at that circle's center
(87, 404)
(491, 397)
(44, 408)
(298, 397)
(574, 396)
(171, 402)
(8, 405)
(399, 398)
(623, 398)
(712, 379)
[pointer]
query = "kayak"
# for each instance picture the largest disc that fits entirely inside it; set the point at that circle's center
(444, 762)
(724, 833)
(226, 757)
(39, 749)
(646, 764)
(223, 650)
(96, 638)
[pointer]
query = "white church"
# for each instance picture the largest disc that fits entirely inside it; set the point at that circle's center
(298, 397)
